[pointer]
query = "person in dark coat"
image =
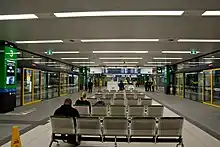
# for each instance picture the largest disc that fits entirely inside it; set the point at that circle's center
(67, 110)
(90, 85)
(121, 86)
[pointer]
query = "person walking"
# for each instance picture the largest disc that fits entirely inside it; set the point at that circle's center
(90, 86)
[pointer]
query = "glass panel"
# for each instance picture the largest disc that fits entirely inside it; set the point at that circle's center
(44, 85)
(63, 83)
(181, 84)
(53, 84)
(207, 86)
(18, 88)
(177, 85)
(216, 87)
(191, 86)
(28, 87)
(200, 84)
(37, 84)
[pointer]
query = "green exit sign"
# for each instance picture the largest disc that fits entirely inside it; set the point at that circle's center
(194, 52)
(49, 52)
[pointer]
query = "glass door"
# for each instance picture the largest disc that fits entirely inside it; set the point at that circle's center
(31, 86)
(216, 87)
(64, 80)
(177, 84)
(207, 86)
(181, 84)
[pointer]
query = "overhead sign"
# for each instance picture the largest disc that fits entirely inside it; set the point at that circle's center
(49, 52)
(194, 52)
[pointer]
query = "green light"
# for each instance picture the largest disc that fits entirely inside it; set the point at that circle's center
(194, 52)
(49, 52)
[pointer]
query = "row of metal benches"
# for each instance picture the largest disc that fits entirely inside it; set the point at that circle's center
(119, 129)
(121, 110)
(121, 101)
(120, 95)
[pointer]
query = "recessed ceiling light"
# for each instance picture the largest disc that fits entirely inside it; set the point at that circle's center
(83, 62)
(64, 52)
(167, 58)
(122, 58)
(39, 41)
(177, 52)
(18, 16)
(118, 40)
(118, 52)
(199, 40)
(74, 58)
(118, 13)
(160, 62)
(211, 13)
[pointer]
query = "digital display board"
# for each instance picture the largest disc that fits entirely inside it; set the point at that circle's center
(122, 71)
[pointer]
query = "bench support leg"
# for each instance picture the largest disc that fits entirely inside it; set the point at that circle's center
(115, 141)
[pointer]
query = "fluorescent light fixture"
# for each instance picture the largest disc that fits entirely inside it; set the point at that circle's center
(118, 13)
(83, 62)
(177, 52)
(29, 58)
(211, 13)
(119, 52)
(160, 62)
(122, 58)
(200, 62)
(54, 65)
(167, 58)
(199, 40)
(74, 58)
(211, 58)
(119, 40)
(39, 41)
(64, 52)
(89, 65)
(121, 65)
(18, 16)
(113, 62)
(45, 62)
(150, 65)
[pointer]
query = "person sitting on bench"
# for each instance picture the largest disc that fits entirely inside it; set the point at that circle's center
(68, 111)
(83, 102)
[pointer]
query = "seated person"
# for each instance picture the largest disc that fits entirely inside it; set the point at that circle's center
(68, 111)
(121, 86)
(100, 103)
(83, 102)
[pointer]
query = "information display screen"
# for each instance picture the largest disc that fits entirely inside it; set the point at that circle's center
(122, 71)
(10, 72)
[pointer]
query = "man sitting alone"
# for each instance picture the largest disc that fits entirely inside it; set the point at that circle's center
(67, 110)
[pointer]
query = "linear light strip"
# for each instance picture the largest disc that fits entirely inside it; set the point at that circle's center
(74, 58)
(211, 58)
(83, 62)
(18, 16)
(117, 52)
(45, 62)
(199, 62)
(120, 65)
(118, 13)
(160, 62)
(118, 40)
(199, 40)
(29, 58)
(39, 41)
(120, 62)
(122, 58)
(177, 52)
(167, 58)
(64, 52)
(211, 13)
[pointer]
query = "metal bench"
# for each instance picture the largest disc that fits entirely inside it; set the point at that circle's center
(109, 95)
(130, 96)
(60, 126)
(146, 102)
(92, 100)
(136, 111)
(100, 111)
(99, 95)
(83, 110)
(155, 111)
(117, 110)
(119, 101)
(119, 95)
(132, 102)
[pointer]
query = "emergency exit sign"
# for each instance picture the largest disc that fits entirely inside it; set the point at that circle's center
(194, 52)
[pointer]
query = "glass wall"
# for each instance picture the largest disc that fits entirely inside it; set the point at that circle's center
(216, 87)
(53, 84)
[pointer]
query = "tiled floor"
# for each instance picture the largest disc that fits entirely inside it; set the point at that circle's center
(192, 135)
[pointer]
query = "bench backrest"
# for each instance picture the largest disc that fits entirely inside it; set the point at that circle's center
(140, 95)
(99, 95)
(146, 102)
(130, 96)
(136, 110)
(115, 126)
(155, 111)
(119, 95)
(117, 110)
(109, 95)
(170, 126)
(99, 111)
(143, 126)
(92, 100)
(88, 126)
(83, 110)
(62, 125)
(107, 101)
(132, 102)
(119, 101)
